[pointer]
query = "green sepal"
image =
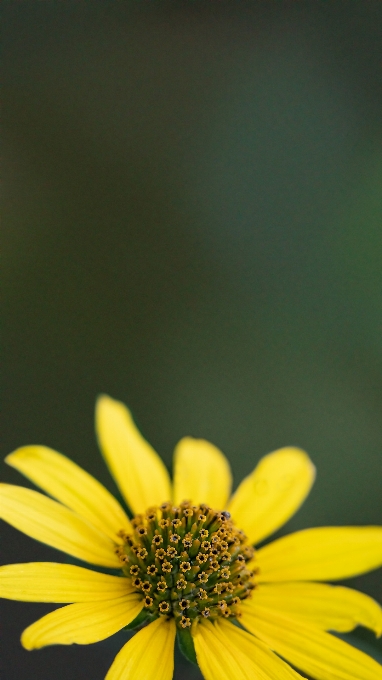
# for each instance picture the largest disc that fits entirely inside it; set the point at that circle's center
(186, 644)
(138, 621)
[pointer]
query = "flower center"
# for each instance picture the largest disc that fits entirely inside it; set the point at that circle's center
(188, 562)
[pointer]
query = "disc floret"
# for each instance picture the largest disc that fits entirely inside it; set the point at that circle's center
(188, 562)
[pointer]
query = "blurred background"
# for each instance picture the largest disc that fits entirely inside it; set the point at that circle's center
(193, 224)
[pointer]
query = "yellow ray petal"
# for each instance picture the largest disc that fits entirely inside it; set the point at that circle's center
(137, 469)
(274, 491)
(82, 623)
(321, 554)
(259, 655)
(313, 651)
(224, 652)
(218, 661)
(149, 655)
(52, 582)
(201, 473)
(254, 657)
(327, 607)
(72, 486)
(50, 522)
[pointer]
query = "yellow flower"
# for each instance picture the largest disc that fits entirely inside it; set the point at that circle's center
(185, 565)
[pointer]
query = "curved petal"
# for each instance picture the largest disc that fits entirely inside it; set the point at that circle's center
(71, 485)
(139, 472)
(324, 606)
(268, 497)
(321, 554)
(218, 662)
(259, 654)
(52, 523)
(82, 624)
(201, 473)
(149, 655)
(247, 656)
(225, 651)
(52, 582)
(313, 651)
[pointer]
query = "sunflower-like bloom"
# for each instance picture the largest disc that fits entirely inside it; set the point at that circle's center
(185, 562)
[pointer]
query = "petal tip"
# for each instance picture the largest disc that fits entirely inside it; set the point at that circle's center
(103, 400)
(25, 453)
(26, 642)
(302, 456)
(108, 408)
(17, 453)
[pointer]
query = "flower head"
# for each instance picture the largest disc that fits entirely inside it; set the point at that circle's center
(185, 563)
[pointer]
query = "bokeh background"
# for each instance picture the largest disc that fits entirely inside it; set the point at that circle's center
(193, 224)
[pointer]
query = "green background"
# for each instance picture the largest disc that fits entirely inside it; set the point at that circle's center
(193, 224)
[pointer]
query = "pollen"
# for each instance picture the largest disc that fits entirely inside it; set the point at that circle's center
(174, 538)
(163, 523)
(201, 558)
(188, 559)
(185, 566)
(203, 577)
(157, 540)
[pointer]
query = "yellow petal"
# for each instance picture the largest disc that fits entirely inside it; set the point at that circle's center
(72, 486)
(321, 554)
(149, 655)
(218, 661)
(137, 469)
(313, 651)
(225, 651)
(82, 623)
(201, 473)
(267, 498)
(52, 582)
(258, 654)
(50, 522)
(327, 607)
